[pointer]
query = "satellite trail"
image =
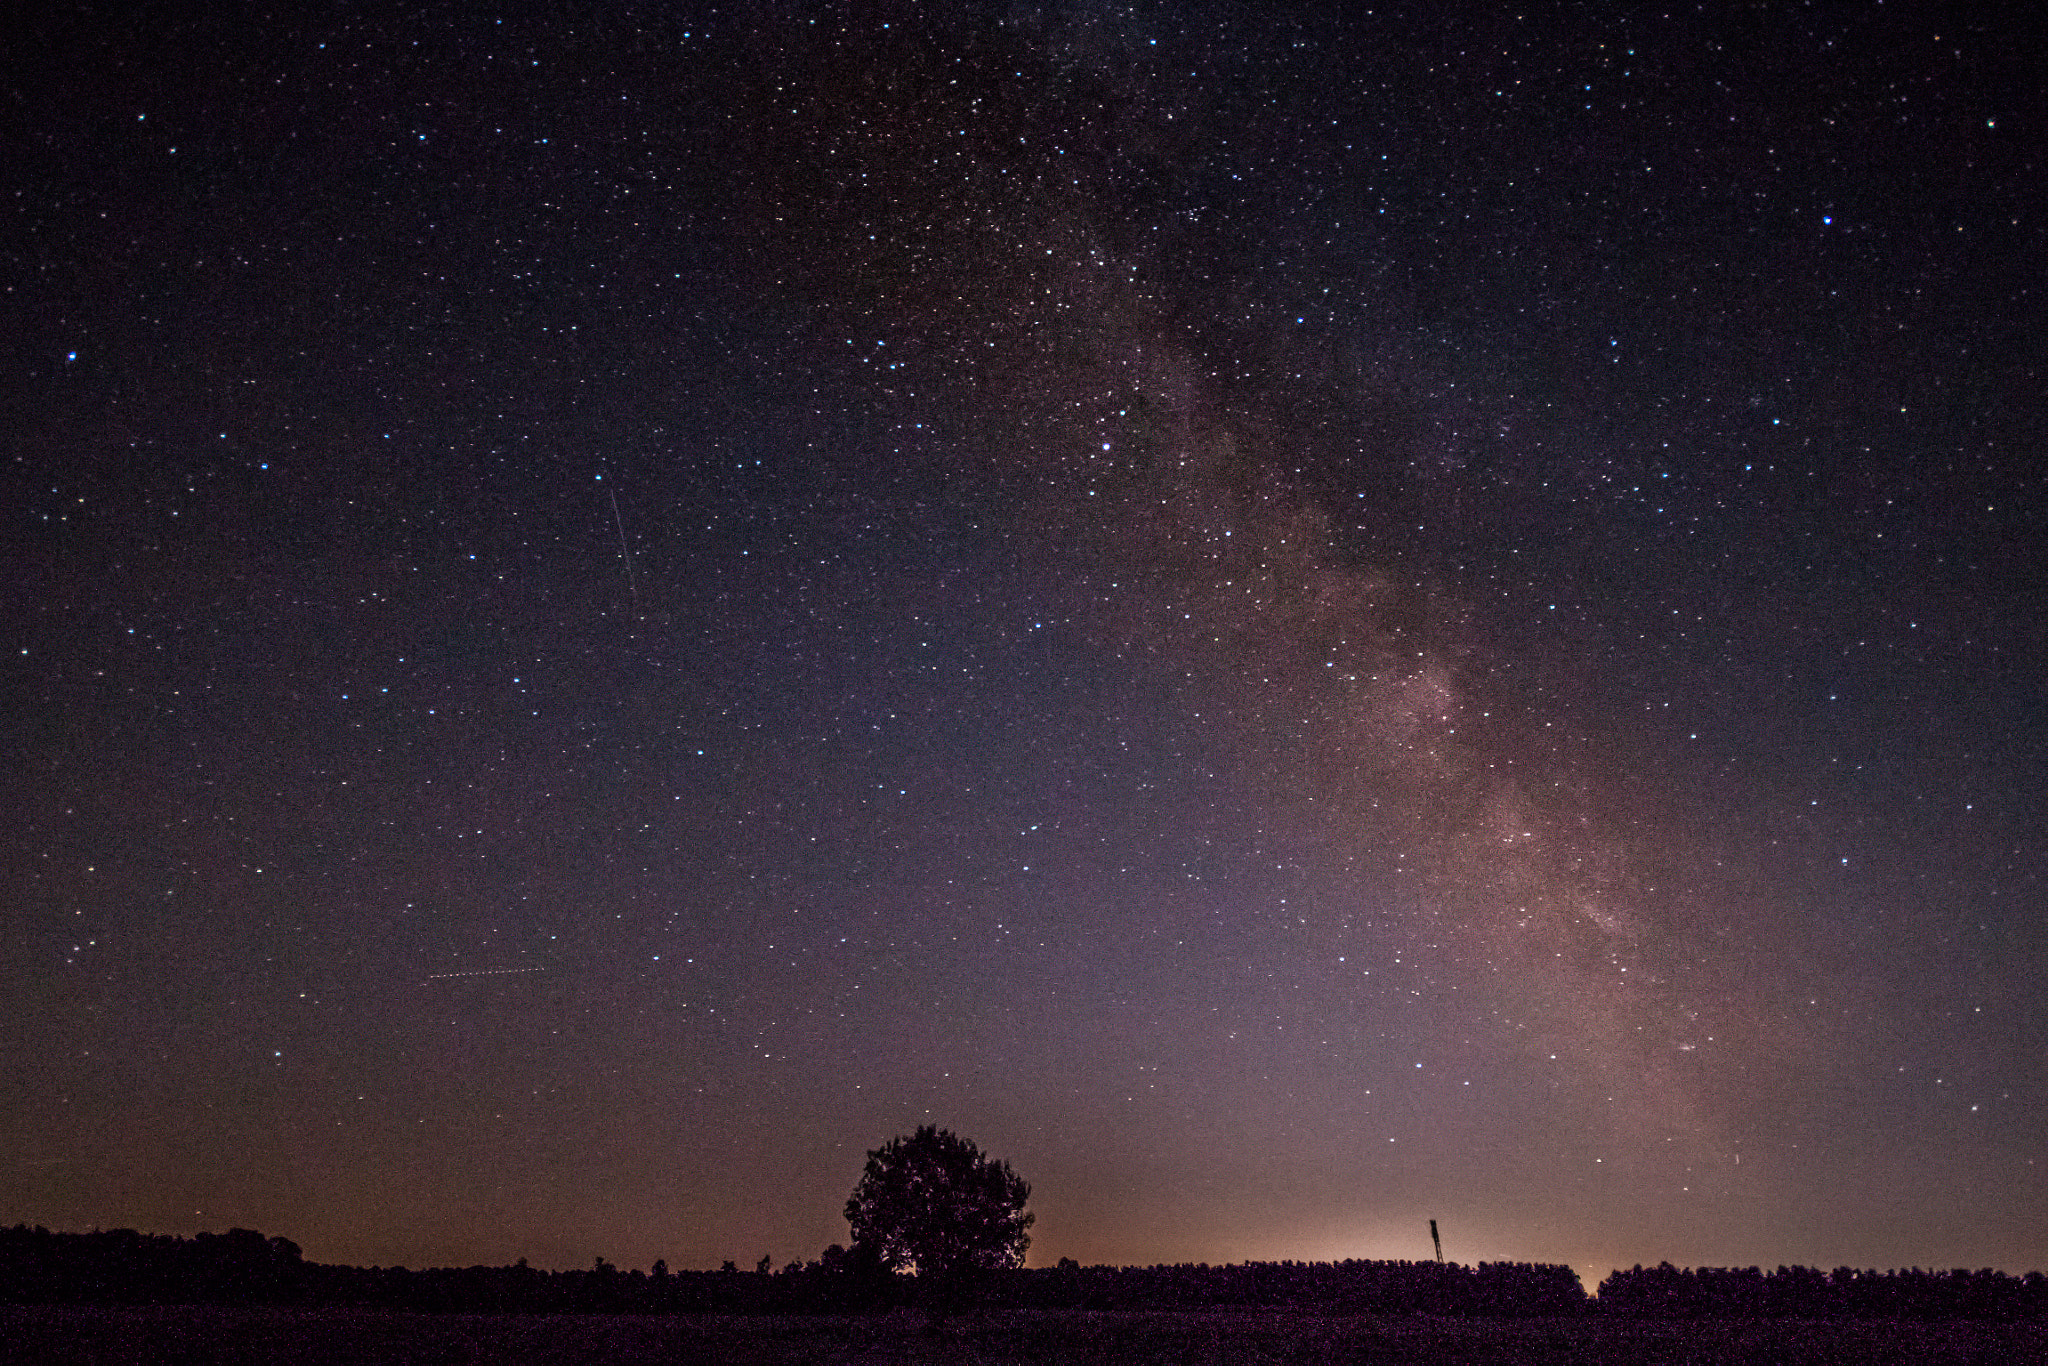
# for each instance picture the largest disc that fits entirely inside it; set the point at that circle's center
(481, 972)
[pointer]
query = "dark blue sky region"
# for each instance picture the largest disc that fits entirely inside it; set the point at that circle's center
(1296, 623)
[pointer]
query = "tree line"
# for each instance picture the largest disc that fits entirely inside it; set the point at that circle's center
(1666, 1291)
(241, 1267)
(938, 1225)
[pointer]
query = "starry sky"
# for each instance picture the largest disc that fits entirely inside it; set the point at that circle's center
(1297, 622)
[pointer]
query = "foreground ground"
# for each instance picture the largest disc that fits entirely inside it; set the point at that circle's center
(316, 1337)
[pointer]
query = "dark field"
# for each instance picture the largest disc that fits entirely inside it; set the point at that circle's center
(116, 1337)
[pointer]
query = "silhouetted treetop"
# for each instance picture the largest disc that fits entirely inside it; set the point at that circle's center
(932, 1203)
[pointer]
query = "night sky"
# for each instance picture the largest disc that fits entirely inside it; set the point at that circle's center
(1295, 623)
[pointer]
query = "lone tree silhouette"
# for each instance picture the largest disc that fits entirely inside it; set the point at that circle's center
(931, 1203)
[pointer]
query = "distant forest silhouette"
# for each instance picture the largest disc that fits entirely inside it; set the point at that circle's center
(241, 1267)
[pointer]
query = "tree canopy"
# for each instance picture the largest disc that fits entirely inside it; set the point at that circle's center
(932, 1203)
